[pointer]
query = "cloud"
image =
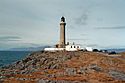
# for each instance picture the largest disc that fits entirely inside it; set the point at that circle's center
(83, 34)
(115, 27)
(77, 39)
(83, 16)
(9, 38)
(37, 21)
(93, 45)
(82, 20)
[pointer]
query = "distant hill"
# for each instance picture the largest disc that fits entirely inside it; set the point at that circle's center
(29, 48)
(117, 50)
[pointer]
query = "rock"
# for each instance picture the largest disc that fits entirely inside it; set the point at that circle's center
(81, 70)
(1, 81)
(59, 65)
(95, 67)
(57, 81)
(117, 75)
(71, 71)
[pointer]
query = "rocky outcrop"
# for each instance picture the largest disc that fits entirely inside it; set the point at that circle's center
(65, 67)
(37, 60)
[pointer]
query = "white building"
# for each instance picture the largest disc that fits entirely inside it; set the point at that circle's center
(72, 48)
(53, 49)
(67, 48)
(89, 49)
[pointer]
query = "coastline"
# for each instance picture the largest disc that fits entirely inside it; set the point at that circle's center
(71, 66)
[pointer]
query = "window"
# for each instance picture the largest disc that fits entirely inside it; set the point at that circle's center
(77, 46)
(71, 46)
(74, 46)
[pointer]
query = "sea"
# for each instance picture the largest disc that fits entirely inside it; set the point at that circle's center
(9, 57)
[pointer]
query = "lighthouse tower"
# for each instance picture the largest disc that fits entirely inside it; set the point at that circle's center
(62, 33)
(62, 46)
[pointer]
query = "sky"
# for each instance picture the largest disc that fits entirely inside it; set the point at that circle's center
(34, 23)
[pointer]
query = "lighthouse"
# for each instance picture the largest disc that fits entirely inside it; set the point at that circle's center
(62, 46)
(62, 41)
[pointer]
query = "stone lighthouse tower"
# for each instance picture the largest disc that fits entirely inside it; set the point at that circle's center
(62, 33)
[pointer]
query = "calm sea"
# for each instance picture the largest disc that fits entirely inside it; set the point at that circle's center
(9, 57)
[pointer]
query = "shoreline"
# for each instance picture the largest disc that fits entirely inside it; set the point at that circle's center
(47, 66)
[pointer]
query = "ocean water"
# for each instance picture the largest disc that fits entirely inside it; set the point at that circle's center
(117, 50)
(9, 57)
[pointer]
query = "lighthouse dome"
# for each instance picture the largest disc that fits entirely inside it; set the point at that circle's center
(63, 19)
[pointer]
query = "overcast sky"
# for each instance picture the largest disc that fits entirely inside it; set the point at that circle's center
(32, 23)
